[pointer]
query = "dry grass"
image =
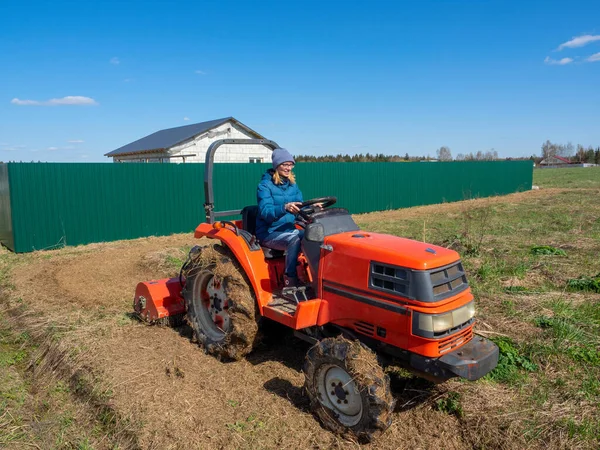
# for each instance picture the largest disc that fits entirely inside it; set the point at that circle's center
(166, 261)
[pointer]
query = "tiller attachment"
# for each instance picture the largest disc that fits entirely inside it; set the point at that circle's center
(159, 302)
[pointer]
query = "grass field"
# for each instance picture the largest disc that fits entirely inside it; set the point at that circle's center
(77, 372)
(576, 177)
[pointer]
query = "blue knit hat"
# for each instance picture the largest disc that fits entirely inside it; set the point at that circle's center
(281, 155)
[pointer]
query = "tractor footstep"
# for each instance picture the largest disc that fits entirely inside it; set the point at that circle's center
(296, 294)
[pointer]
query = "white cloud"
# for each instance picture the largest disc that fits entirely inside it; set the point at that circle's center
(75, 141)
(186, 118)
(16, 101)
(200, 72)
(52, 148)
(579, 41)
(115, 61)
(559, 62)
(127, 80)
(73, 100)
(594, 57)
(68, 100)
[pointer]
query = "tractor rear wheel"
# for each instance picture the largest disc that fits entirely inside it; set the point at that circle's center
(221, 307)
(347, 388)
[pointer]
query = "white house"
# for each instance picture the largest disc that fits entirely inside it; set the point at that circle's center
(190, 142)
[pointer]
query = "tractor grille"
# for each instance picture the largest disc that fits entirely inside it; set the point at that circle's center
(389, 278)
(365, 328)
(448, 281)
(454, 341)
(427, 286)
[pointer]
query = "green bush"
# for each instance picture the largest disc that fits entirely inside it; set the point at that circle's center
(511, 363)
(584, 283)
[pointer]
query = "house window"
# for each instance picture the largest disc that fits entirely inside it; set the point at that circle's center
(255, 159)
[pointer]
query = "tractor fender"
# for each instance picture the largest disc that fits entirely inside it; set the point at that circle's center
(252, 261)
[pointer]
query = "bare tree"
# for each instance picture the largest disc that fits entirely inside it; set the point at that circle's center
(581, 153)
(567, 150)
(490, 155)
(444, 154)
(550, 149)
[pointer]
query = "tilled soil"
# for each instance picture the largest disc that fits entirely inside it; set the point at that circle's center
(174, 396)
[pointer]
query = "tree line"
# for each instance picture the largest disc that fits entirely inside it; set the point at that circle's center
(442, 154)
(575, 154)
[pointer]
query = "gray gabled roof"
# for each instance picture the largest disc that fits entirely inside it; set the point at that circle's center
(164, 139)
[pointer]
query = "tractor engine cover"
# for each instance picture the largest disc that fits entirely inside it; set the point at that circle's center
(159, 302)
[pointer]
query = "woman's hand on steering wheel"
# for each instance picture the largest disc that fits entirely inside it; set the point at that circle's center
(293, 207)
(307, 208)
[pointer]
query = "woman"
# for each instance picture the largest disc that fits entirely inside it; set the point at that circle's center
(278, 202)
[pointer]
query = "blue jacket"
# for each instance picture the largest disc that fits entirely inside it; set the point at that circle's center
(272, 198)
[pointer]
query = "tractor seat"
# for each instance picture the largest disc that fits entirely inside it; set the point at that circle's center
(249, 214)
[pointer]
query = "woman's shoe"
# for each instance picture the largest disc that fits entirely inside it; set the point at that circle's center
(290, 281)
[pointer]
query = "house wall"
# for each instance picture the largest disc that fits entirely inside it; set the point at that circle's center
(553, 161)
(225, 153)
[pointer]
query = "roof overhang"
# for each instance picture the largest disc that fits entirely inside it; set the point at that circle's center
(138, 152)
(248, 129)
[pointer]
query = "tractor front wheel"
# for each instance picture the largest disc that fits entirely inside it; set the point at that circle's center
(221, 307)
(347, 388)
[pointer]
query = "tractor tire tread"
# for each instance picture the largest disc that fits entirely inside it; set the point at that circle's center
(361, 363)
(244, 334)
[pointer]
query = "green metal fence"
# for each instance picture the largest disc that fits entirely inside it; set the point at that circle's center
(48, 205)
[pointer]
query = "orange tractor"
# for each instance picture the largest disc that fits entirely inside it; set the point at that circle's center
(370, 297)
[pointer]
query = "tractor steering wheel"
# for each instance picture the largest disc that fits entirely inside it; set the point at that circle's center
(306, 209)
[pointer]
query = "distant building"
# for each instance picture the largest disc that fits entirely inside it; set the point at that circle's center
(554, 161)
(189, 143)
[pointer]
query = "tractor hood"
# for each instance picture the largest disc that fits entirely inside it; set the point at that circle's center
(391, 249)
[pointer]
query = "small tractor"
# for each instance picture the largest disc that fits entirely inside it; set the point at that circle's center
(371, 299)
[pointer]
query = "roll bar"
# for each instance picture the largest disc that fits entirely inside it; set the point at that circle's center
(208, 174)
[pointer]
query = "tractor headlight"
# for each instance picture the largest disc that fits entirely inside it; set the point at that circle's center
(432, 325)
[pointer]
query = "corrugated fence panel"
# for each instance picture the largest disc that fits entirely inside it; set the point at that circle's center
(70, 204)
(6, 231)
(365, 187)
(235, 184)
(45, 205)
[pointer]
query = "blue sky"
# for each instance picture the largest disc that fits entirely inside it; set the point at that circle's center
(80, 79)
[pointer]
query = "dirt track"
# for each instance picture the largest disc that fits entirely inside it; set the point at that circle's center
(169, 393)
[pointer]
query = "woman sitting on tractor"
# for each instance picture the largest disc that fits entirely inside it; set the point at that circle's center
(279, 199)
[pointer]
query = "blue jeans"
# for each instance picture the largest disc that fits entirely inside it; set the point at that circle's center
(289, 241)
